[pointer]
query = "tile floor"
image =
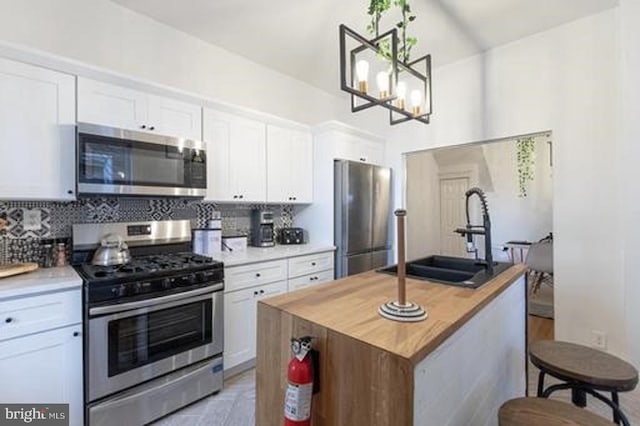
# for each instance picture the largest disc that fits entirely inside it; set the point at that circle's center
(234, 406)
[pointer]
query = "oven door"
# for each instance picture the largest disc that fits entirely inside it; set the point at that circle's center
(117, 161)
(131, 347)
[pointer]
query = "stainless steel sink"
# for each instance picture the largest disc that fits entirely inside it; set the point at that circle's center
(448, 270)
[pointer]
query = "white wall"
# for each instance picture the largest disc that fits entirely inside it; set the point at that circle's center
(564, 80)
(514, 217)
(630, 158)
(106, 35)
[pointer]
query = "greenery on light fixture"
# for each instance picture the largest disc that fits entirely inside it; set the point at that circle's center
(404, 49)
(376, 9)
(525, 159)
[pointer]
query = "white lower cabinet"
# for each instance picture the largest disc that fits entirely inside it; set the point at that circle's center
(240, 316)
(44, 368)
(239, 277)
(312, 269)
(245, 285)
(310, 280)
(309, 264)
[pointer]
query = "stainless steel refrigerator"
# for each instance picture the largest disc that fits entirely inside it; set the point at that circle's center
(361, 211)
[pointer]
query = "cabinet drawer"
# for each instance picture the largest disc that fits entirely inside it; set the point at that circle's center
(33, 314)
(238, 277)
(310, 264)
(311, 279)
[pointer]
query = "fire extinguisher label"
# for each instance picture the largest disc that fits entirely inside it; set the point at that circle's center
(297, 403)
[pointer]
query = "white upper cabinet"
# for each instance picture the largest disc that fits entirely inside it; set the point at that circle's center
(340, 141)
(117, 106)
(175, 118)
(289, 165)
(37, 133)
(356, 148)
(236, 158)
(110, 105)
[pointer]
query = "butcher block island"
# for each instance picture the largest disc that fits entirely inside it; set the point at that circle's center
(456, 367)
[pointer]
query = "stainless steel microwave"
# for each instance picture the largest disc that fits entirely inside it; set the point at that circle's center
(116, 161)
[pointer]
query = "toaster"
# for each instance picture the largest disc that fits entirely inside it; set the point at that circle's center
(291, 236)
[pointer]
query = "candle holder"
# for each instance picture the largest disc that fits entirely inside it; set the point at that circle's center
(401, 309)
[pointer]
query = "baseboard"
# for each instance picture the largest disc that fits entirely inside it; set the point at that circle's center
(240, 368)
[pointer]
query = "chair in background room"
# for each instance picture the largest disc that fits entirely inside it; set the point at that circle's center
(540, 260)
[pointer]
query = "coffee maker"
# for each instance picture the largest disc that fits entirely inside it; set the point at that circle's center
(262, 234)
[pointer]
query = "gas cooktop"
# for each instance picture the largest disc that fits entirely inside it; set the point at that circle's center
(149, 266)
(149, 276)
(160, 263)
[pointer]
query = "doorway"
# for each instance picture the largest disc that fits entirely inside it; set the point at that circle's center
(452, 215)
(516, 174)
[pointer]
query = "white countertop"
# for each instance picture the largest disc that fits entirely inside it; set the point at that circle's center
(263, 254)
(65, 278)
(40, 281)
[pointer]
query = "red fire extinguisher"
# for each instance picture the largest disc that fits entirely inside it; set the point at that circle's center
(297, 400)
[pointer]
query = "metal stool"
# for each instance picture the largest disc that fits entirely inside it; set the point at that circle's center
(584, 370)
(546, 412)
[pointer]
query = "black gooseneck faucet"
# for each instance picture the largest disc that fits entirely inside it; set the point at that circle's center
(485, 229)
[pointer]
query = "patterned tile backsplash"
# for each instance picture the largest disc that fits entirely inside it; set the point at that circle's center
(22, 239)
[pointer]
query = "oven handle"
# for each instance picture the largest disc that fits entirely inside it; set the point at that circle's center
(101, 310)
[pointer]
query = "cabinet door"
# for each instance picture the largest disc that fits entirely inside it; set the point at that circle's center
(269, 290)
(364, 150)
(236, 166)
(44, 368)
(111, 105)
(37, 133)
(301, 167)
(217, 135)
(240, 316)
(289, 166)
(239, 327)
(279, 159)
(248, 160)
(175, 118)
(372, 152)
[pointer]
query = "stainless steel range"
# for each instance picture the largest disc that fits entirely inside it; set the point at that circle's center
(153, 326)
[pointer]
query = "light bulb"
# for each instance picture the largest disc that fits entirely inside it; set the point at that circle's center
(401, 90)
(416, 101)
(383, 84)
(362, 72)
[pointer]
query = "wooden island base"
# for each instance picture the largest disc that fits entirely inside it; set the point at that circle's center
(457, 367)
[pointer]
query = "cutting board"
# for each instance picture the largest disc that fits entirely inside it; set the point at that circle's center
(16, 268)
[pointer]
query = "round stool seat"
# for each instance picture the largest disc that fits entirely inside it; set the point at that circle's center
(571, 362)
(546, 412)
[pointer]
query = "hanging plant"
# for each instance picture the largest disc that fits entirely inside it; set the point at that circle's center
(406, 43)
(376, 9)
(525, 160)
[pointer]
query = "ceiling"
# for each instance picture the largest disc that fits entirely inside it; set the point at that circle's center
(300, 38)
